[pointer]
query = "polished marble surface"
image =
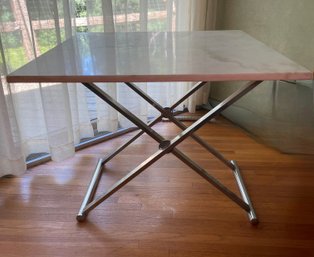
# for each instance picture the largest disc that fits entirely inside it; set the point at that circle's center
(160, 56)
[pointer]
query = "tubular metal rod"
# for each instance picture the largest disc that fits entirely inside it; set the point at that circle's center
(188, 94)
(151, 101)
(211, 114)
(207, 146)
(103, 138)
(82, 214)
(146, 97)
(251, 213)
(153, 158)
(96, 140)
(126, 144)
(121, 109)
(152, 123)
(216, 183)
(136, 171)
(120, 148)
(156, 120)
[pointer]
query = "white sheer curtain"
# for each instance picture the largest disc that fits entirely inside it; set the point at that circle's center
(54, 117)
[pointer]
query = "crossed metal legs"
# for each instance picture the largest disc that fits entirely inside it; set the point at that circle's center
(167, 146)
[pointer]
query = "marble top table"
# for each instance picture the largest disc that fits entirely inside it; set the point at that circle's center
(163, 56)
(160, 56)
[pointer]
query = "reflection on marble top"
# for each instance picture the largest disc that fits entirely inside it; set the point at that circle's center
(160, 56)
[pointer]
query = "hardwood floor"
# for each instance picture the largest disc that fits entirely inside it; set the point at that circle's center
(168, 210)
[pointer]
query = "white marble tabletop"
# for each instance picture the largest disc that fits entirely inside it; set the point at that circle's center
(160, 56)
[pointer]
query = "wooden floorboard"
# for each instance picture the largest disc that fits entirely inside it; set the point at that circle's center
(166, 211)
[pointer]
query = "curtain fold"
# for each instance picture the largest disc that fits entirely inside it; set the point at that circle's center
(193, 15)
(53, 117)
(12, 160)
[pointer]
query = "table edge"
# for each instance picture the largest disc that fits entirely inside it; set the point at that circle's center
(160, 78)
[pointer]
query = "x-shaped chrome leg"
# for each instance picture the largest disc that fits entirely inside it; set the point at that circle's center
(167, 113)
(167, 146)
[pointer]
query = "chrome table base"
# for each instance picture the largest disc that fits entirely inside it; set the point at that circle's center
(168, 146)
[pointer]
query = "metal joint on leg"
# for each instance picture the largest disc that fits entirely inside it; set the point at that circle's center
(166, 112)
(164, 144)
(155, 121)
(245, 196)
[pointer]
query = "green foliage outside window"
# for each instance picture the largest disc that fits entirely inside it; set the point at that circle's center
(46, 38)
(5, 11)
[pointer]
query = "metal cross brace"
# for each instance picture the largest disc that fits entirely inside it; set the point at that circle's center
(167, 146)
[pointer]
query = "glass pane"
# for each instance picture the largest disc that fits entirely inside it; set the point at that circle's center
(14, 51)
(46, 39)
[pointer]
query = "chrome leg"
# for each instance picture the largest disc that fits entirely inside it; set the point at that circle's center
(155, 121)
(91, 190)
(214, 112)
(136, 171)
(124, 111)
(216, 183)
(168, 146)
(126, 144)
(153, 158)
(168, 114)
(246, 198)
(188, 131)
